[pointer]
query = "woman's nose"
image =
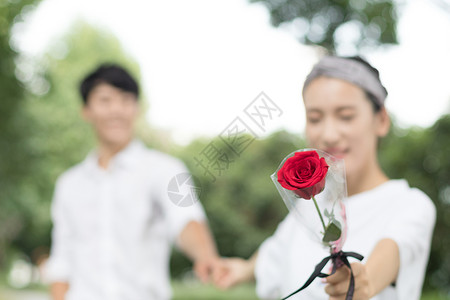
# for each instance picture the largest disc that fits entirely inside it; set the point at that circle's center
(330, 133)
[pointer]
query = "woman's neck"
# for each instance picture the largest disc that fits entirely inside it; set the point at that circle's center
(372, 177)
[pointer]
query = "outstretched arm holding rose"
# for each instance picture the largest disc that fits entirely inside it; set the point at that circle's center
(344, 102)
(371, 278)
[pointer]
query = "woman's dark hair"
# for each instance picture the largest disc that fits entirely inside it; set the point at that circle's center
(370, 96)
(112, 74)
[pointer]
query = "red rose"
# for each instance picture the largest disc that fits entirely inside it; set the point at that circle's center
(304, 173)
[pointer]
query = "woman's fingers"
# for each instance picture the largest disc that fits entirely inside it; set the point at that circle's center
(341, 274)
(338, 283)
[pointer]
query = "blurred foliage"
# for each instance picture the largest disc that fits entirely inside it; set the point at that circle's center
(14, 125)
(42, 134)
(318, 22)
(52, 130)
(244, 207)
(422, 157)
(242, 204)
(59, 138)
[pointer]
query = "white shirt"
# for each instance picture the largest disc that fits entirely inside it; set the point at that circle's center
(113, 228)
(391, 210)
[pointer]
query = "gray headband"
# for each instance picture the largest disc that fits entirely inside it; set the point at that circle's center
(349, 70)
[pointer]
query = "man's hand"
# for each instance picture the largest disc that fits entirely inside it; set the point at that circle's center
(204, 268)
(233, 271)
(338, 283)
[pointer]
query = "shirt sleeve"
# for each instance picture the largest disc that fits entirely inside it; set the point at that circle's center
(58, 266)
(271, 259)
(412, 228)
(178, 196)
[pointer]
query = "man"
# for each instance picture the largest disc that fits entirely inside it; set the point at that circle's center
(113, 220)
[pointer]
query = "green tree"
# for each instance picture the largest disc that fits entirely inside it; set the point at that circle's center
(244, 208)
(14, 147)
(242, 204)
(421, 156)
(319, 20)
(58, 137)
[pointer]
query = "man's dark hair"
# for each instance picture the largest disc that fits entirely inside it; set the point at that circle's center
(111, 74)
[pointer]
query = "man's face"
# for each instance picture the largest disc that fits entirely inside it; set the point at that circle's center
(112, 113)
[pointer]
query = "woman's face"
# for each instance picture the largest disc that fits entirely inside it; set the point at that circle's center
(341, 121)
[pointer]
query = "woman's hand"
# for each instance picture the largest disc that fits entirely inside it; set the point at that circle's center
(233, 271)
(338, 283)
(380, 271)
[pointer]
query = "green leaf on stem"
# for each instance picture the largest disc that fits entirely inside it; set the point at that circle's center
(332, 232)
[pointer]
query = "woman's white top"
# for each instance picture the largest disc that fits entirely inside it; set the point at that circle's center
(392, 210)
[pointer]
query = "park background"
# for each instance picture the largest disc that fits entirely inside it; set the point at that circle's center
(42, 134)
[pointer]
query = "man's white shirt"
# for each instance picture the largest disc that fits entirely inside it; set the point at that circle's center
(113, 229)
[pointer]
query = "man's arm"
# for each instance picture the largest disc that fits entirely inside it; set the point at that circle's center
(58, 290)
(58, 265)
(196, 241)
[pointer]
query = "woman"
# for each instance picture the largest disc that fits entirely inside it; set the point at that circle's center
(389, 223)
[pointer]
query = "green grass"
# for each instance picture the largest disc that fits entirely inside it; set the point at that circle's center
(190, 290)
(435, 296)
(197, 291)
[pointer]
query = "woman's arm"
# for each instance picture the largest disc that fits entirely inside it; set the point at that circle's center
(58, 290)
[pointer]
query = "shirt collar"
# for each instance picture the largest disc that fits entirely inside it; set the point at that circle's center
(126, 158)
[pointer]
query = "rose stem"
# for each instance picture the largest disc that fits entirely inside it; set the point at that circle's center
(320, 215)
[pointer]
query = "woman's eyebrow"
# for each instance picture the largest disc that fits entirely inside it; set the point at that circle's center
(313, 110)
(347, 107)
(339, 109)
